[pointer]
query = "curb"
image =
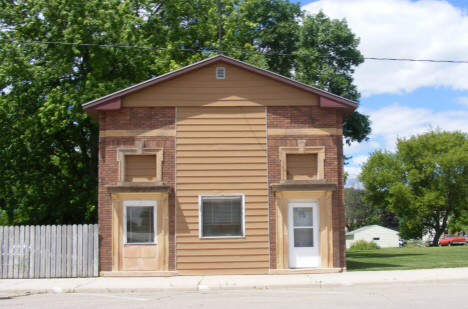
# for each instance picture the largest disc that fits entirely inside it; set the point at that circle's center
(207, 289)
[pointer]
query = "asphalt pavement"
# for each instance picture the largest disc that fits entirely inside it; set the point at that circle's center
(11, 287)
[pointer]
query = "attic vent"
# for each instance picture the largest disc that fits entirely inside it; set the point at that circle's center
(220, 73)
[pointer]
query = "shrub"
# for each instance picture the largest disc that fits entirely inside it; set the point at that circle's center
(363, 245)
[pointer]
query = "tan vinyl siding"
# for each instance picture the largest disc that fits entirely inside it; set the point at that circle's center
(140, 168)
(222, 150)
(301, 166)
(201, 88)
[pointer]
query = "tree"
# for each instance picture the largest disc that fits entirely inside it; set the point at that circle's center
(424, 182)
(49, 146)
(320, 38)
(359, 213)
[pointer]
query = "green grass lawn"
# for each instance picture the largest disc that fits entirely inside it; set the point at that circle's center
(407, 258)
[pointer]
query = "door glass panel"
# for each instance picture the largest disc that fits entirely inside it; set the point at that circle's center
(304, 237)
(302, 216)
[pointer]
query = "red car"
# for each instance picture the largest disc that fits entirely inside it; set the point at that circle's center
(449, 240)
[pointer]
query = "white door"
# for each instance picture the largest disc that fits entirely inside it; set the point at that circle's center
(303, 229)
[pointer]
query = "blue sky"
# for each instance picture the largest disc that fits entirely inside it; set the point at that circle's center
(406, 98)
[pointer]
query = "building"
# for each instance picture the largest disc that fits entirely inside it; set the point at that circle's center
(382, 236)
(220, 168)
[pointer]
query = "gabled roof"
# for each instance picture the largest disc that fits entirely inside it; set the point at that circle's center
(369, 227)
(113, 101)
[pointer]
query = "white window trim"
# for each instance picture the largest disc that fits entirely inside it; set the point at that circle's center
(200, 216)
(139, 204)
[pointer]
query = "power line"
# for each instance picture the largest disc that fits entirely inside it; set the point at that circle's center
(229, 52)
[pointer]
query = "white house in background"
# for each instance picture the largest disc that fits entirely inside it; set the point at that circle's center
(382, 236)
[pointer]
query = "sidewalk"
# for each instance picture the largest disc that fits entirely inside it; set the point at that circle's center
(9, 287)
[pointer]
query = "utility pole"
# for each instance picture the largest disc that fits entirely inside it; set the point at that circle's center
(220, 28)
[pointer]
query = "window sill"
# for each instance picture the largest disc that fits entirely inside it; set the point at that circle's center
(130, 187)
(222, 237)
(303, 185)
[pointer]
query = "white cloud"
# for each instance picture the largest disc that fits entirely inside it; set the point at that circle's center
(426, 29)
(356, 147)
(353, 173)
(396, 120)
(359, 160)
(462, 101)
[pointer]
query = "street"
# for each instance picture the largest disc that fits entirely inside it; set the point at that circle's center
(435, 295)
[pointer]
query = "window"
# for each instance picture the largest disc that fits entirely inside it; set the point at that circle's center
(376, 238)
(140, 222)
(301, 166)
(221, 215)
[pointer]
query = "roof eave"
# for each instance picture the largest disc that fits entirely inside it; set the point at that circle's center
(327, 99)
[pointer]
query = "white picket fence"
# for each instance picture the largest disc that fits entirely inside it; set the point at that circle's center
(49, 251)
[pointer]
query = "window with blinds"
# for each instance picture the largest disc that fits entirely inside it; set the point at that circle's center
(222, 216)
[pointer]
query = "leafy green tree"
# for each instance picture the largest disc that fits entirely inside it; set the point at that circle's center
(359, 213)
(424, 182)
(49, 146)
(458, 224)
(319, 38)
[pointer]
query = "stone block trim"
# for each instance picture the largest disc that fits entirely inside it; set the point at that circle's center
(309, 117)
(132, 119)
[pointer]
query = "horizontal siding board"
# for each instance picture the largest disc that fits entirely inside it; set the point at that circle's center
(237, 85)
(220, 186)
(218, 179)
(243, 271)
(213, 112)
(214, 160)
(195, 193)
(194, 208)
(195, 238)
(248, 225)
(221, 128)
(224, 153)
(219, 140)
(223, 252)
(198, 121)
(182, 213)
(248, 219)
(229, 258)
(216, 90)
(223, 103)
(228, 136)
(251, 200)
(217, 173)
(183, 230)
(223, 245)
(220, 147)
(223, 265)
(225, 166)
(241, 96)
